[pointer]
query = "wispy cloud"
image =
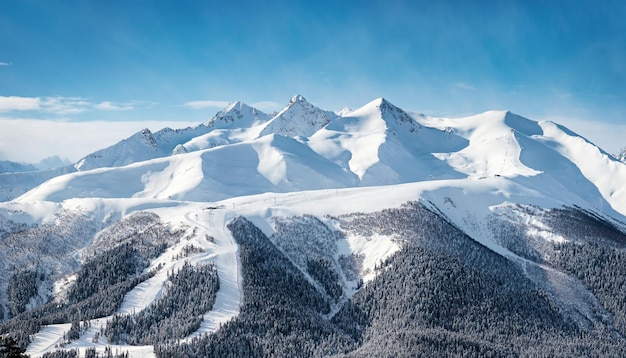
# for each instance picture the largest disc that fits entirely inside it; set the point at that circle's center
(110, 106)
(5, 64)
(65, 105)
(14, 103)
(463, 86)
(206, 104)
(59, 105)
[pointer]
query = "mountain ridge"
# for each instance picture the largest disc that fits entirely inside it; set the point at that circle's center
(373, 143)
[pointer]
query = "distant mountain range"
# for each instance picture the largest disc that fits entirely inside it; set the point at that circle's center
(313, 233)
(44, 164)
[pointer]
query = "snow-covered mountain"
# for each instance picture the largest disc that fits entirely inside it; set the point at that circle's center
(377, 144)
(340, 226)
(7, 166)
(49, 163)
(299, 118)
(621, 155)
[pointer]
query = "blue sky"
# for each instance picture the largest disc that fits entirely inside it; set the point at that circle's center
(130, 61)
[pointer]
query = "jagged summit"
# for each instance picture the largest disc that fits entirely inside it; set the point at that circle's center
(621, 155)
(297, 98)
(15, 167)
(299, 118)
(237, 114)
(388, 112)
(138, 147)
(344, 111)
(399, 116)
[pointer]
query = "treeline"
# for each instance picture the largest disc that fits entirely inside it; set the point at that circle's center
(22, 287)
(189, 293)
(594, 253)
(89, 353)
(98, 291)
(602, 269)
(122, 252)
(46, 248)
(322, 271)
(445, 283)
(311, 246)
(443, 294)
(108, 269)
(281, 312)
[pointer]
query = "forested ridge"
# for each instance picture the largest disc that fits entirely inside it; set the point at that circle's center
(190, 293)
(98, 291)
(441, 294)
(115, 266)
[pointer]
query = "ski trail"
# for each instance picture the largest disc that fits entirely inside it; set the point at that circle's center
(143, 294)
(226, 258)
(47, 339)
(218, 246)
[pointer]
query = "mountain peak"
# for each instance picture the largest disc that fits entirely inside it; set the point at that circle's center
(390, 113)
(298, 99)
(233, 105)
(298, 118)
(138, 147)
(521, 124)
(381, 101)
(621, 155)
(238, 112)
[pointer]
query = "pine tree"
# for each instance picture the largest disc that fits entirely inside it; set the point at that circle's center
(10, 349)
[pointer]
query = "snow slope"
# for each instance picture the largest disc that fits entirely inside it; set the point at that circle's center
(242, 151)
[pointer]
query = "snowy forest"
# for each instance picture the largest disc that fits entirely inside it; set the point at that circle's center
(441, 294)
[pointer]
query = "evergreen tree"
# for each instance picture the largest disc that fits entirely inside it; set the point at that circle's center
(10, 349)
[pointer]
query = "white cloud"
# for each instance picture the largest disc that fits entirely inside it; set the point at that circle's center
(65, 105)
(59, 105)
(5, 64)
(30, 140)
(109, 106)
(206, 104)
(14, 103)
